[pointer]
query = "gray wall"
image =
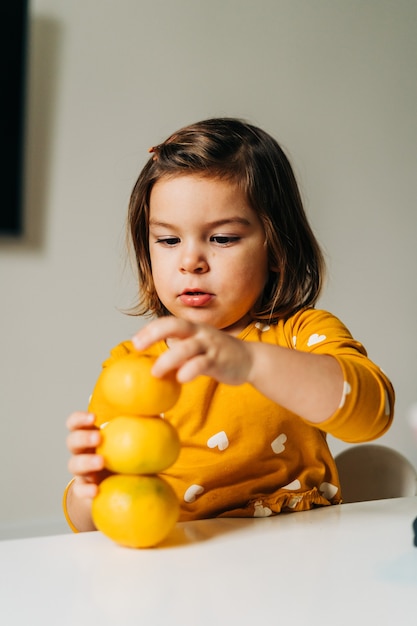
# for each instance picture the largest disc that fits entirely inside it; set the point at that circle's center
(333, 80)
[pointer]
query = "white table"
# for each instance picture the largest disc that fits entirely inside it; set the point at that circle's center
(351, 564)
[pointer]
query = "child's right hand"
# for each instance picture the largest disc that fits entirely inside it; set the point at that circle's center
(85, 464)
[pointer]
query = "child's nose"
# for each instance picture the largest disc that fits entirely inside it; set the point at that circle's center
(194, 263)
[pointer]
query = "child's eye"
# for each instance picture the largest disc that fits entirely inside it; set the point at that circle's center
(168, 241)
(224, 240)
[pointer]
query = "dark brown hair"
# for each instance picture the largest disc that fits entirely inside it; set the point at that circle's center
(231, 149)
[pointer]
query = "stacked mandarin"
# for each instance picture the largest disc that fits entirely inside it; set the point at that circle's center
(135, 506)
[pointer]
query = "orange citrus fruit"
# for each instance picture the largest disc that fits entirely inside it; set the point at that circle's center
(99, 406)
(128, 387)
(135, 511)
(138, 445)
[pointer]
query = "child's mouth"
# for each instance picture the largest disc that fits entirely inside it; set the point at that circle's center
(195, 298)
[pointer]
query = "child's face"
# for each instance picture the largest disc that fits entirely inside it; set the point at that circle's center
(208, 251)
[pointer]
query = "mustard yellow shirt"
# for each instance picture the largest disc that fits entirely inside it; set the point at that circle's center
(244, 455)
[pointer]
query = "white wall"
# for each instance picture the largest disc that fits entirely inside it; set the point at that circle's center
(333, 80)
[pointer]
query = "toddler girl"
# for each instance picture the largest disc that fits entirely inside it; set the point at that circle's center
(230, 269)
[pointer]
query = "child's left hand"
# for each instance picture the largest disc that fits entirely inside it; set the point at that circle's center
(195, 350)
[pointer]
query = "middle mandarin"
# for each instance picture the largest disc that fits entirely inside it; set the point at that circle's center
(138, 444)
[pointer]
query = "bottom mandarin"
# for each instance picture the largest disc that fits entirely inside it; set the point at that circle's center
(135, 511)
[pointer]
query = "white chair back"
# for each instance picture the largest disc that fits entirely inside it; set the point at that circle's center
(374, 472)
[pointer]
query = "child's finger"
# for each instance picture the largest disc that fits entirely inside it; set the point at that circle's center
(85, 464)
(192, 368)
(163, 328)
(81, 440)
(180, 353)
(80, 419)
(84, 489)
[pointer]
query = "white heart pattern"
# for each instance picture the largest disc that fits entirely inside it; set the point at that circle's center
(328, 490)
(278, 444)
(261, 510)
(192, 492)
(387, 404)
(315, 338)
(294, 341)
(292, 503)
(294, 485)
(262, 327)
(346, 390)
(219, 440)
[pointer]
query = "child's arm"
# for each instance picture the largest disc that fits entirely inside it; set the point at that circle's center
(87, 468)
(310, 385)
